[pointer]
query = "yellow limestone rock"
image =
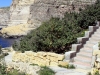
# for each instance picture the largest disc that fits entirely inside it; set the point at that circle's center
(42, 63)
(98, 66)
(53, 64)
(93, 71)
(60, 57)
(21, 29)
(22, 57)
(63, 63)
(29, 53)
(48, 57)
(47, 62)
(98, 59)
(53, 59)
(52, 54)
(98, 56)
(96, 52)
(42, 53)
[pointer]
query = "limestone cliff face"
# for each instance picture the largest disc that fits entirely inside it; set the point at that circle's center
(36, 11)
(19, 12)
(42, 10)
(4, 16)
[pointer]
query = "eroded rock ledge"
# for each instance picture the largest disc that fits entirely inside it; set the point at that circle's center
(15, 31)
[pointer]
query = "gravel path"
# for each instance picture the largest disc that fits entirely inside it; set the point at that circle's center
(64, 71)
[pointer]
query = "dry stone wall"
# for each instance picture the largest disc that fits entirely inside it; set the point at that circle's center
(40, 58)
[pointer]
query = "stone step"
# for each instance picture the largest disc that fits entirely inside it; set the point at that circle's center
(96, 35)
(88, 45)
(83, 59)
(82, 65)
(92, 42)
(84, 54)
(98, 32)
(95, 38)
(86, 50)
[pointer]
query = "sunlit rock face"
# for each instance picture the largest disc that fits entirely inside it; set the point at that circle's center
(19, 12)
(4, 16)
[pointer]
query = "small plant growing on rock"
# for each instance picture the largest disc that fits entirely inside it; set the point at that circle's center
(0, 49)
(68, 66)
(34, 64)
(89, 73)
(96, 73)
(46, 71)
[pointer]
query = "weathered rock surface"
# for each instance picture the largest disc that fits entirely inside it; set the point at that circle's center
(42, 10)
(14, 31)
(4, 16)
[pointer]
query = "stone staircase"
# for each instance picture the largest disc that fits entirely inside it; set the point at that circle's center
(83, 58)
(81, 54)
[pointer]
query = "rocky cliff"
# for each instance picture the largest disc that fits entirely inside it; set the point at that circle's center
(4, 16)
(34, 12)
(42, 10)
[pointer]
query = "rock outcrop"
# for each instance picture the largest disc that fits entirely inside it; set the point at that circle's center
(34, 12)
(15, 31)
(4, 16)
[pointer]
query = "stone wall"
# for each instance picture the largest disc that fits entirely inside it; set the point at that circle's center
(40, 58)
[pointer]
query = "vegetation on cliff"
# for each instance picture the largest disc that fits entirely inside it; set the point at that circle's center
(57, 35)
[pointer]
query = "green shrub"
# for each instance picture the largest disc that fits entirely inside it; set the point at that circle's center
(15, 72)
(46, 71)
(34, 64)
(54, 36)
